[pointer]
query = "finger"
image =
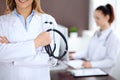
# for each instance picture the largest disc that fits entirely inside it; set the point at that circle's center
(1, 39)
(5, 39)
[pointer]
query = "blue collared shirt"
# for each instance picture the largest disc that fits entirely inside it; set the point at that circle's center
(23, 21)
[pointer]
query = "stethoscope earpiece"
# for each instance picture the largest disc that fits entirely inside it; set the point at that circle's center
(48, 22)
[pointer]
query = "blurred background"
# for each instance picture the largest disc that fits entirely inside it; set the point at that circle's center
(76, 16)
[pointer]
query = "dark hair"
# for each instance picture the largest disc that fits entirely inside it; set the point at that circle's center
(107, 10)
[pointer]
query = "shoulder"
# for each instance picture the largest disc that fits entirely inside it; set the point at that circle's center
(45, 16)
(114, 35)
(6, 18)
(114, 39)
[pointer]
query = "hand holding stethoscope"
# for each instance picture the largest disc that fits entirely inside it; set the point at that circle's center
(49, 50)
(42, 39)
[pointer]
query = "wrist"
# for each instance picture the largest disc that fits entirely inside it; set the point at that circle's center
(36, 43)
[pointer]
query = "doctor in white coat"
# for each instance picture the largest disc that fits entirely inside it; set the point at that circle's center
(103, 47)
(22, 41)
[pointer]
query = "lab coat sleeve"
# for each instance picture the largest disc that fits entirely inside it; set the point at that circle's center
(79, 55)
(17, 50)
(108, 62)
(110, 59)
(83, 54)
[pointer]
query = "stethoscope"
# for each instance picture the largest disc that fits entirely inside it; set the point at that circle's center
(48, 48)
(107, 37)
(103, 45)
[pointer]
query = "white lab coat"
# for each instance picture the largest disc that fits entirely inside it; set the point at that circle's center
(101, 52)
(19, 60)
